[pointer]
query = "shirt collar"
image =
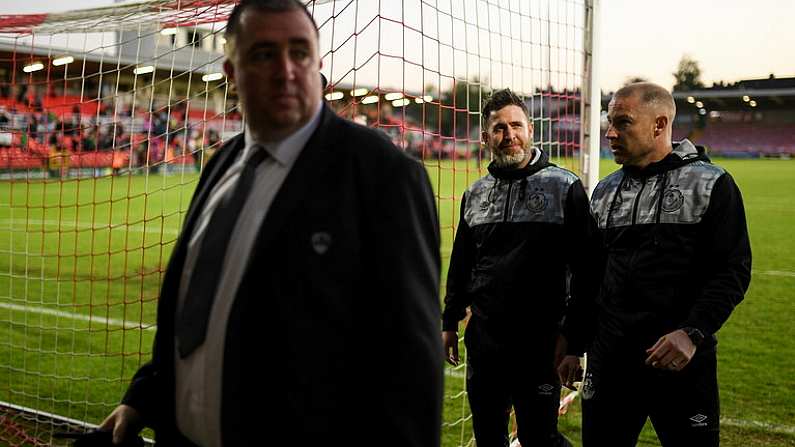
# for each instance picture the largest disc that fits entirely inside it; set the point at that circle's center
(287, 150)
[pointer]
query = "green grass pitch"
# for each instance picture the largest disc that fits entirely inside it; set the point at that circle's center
(97, 248)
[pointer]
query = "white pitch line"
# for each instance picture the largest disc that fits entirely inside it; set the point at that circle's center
(8, 224)
(778, 273)
(731, 422)
(77, 316)
(775, 428)
(454, 373)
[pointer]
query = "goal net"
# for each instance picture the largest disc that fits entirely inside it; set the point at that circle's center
(108, 115)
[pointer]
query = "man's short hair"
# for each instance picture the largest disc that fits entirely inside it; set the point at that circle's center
(502, 98)
(650, 94)
(267, 6)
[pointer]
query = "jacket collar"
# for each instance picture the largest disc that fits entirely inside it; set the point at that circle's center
(684, 152)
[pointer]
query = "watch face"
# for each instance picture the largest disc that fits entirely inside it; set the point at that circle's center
(696, 336)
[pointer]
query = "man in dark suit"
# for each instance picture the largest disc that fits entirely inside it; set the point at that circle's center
(301, 299)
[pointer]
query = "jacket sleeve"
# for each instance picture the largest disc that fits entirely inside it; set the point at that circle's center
(407, 266)
(146, 393)
(586, 265)
(727, 256)
(458, 274)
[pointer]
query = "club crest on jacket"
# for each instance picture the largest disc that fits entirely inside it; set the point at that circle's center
(537, 202)
(672, 200)
(321, 241)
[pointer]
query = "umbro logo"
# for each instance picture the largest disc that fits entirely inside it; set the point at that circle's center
(545, 389)
(698, 420)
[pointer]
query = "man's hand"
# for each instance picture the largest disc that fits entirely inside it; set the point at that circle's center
(672, 351)
(450, 343)
(570, 371)
(124, 421)
(567, 366)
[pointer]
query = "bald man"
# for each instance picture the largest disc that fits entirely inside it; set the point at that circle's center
(677, 262)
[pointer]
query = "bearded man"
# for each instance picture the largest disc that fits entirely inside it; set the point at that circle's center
(524, 249)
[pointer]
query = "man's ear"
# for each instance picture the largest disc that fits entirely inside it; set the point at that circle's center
(229, 69)
(660, 123)
(484, 138)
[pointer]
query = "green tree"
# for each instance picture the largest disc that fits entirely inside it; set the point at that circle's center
(688, 75)
(453, 113)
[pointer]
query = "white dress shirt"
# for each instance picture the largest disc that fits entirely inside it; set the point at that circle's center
(199, 376)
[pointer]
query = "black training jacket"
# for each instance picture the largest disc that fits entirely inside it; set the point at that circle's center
(677, 250)
(520, 233)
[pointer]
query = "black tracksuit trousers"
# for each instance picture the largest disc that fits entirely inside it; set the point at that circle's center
(619, 394)
(508, 371)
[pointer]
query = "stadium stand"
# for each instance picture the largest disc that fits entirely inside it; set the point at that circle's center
(750, 118)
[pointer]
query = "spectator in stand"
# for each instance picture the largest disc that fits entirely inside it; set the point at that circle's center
(122, 138)
(22, 93)
(5, 120)
(159, 124)
(89, 140)
(73, 126)
(283, 258)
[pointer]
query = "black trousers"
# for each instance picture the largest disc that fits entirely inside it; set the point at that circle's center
(620, 392)
(504, 372)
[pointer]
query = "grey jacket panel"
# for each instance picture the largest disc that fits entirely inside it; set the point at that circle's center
(539, 198)
(687, 195)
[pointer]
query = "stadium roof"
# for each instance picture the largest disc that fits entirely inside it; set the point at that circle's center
(24, 54)
(770, 93)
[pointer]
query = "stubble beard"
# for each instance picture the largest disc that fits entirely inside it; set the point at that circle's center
(512, 160)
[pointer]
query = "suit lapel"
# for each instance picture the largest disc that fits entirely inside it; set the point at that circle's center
(313, 160)
(227, 155)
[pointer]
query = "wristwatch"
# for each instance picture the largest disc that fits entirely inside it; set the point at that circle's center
(696, 336)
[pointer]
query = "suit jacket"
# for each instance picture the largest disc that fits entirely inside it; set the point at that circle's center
(333, 336)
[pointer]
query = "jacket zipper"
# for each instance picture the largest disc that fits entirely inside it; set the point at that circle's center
(507, 203)
(637, 200)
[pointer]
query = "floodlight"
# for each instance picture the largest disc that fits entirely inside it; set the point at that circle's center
(36, 66)
(144, 69)
(333, 96)
(212, 77)
(63, 61)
